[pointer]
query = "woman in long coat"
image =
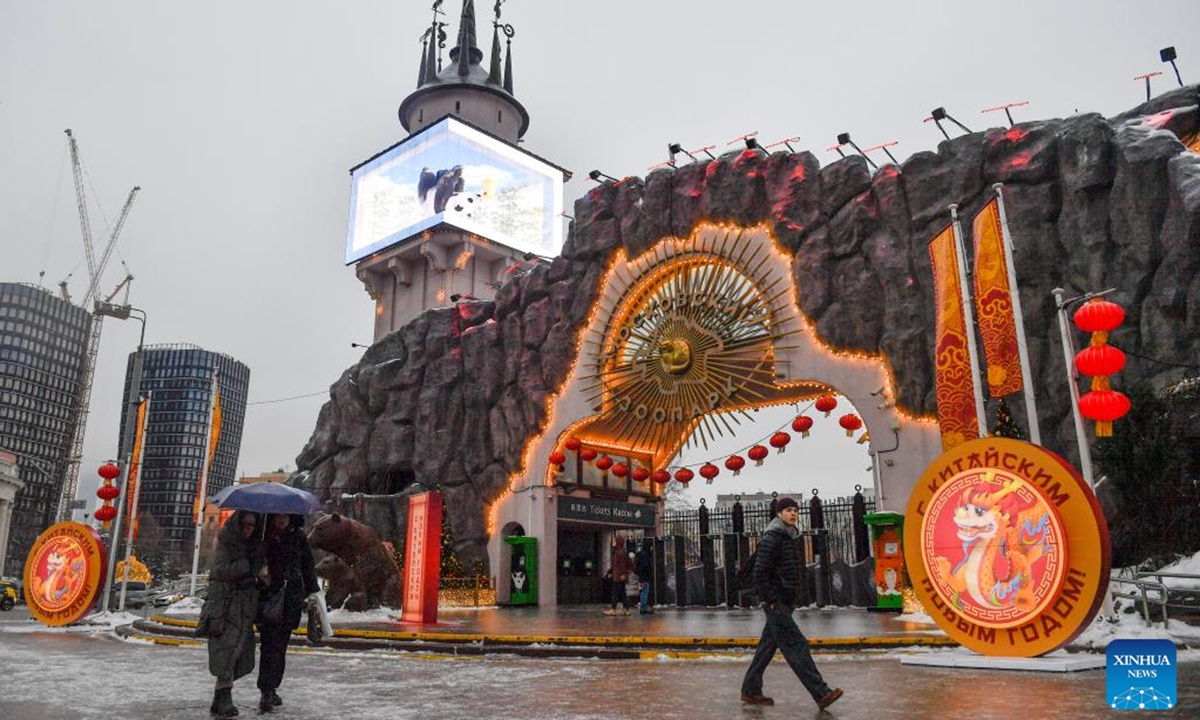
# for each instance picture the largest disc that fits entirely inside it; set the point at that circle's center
(227, 619)
(290, 570)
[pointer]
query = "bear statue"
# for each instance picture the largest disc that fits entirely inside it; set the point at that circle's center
(362, 575)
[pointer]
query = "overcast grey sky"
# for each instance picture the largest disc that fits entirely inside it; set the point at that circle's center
(241, 119)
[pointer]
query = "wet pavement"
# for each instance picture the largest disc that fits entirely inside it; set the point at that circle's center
(590, 621)
(76, 676)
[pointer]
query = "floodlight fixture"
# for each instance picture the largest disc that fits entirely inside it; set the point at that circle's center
(1147, 77)
(752, 144)
(844, 139)
(742, 138)
(675, 148)
(1168, 55)
(939, 114)
(596, 175)
(1006, 108)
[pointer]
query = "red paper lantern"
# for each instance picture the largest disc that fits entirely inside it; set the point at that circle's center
(758, 453)
(588, 454)
(684, 476)
(1105, 407)
(734, 464)
(573, 444)
(1099, 316)
(1100, 360)
(826, 404)
(850, 422)
(802, 424)
(780, 440)
(557, 458)
(708, 471)
(660, 476)
(108, 493)
(620, 469)
(641, 474)
(604, 463)
(109, 470)
(106, 513)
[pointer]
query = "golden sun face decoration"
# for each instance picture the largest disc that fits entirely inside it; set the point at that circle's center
(689, 344)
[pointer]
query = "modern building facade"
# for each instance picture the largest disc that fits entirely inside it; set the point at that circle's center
(43, 342)
(178, 380)
(10, 483)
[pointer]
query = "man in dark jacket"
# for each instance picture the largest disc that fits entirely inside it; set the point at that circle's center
(777, 571)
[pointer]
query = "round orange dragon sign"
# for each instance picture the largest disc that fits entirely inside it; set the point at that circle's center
(1009, 550)
(64, 573)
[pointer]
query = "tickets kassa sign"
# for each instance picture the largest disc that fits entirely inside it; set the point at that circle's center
(1007, 547)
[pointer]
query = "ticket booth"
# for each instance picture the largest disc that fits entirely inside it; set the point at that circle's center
(887, 545)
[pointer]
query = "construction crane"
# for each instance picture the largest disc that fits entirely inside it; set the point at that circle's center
(95, 272)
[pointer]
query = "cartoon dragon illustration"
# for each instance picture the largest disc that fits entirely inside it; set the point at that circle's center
(1000, 544)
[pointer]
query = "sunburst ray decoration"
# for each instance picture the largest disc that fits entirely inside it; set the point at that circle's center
(689, 345)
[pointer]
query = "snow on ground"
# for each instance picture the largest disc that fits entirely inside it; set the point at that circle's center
(1184, 566)
(186, 606)
(1132, 626)
(342, 616)
(96, 622)
(919, 616)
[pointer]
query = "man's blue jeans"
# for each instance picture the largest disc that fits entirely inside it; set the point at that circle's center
(782, 633)
(644, 596)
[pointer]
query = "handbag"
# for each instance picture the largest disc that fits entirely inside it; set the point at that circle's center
(271, 610)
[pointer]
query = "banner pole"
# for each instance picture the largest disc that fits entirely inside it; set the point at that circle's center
(1035, 433)
(203, 489)
(139, 434)
(969, 318)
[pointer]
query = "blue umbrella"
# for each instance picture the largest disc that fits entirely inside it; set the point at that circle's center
(268, 497)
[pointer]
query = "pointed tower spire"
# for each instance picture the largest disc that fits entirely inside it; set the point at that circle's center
(466, 53)
(508, 73)
(430, 63)
(494, 74)
(424, 52)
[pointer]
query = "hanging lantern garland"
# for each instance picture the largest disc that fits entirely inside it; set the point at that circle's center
(779, 440)
(107, 492)
(851, 423)
(802, 424)
(1100, 360)
(758, 453)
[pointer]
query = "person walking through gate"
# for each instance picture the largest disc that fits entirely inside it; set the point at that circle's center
(290, 571)
(644, 565)
(227, 618)
(621, 566)
(777, 570)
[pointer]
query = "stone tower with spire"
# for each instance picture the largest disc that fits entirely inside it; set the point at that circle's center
(451, 254)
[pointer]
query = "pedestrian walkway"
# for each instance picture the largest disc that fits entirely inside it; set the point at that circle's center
(584, 631)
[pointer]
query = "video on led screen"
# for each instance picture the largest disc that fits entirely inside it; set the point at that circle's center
(454, 174)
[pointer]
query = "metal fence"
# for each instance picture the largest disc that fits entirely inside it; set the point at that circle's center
(841, 518)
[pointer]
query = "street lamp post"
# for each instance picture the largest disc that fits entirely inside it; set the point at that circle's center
(124, 312)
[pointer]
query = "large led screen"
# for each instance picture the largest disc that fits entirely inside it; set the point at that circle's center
(452, 173)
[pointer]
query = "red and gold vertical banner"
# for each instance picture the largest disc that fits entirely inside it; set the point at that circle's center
(952, 361)
(422, 558)
(135, 465)
(213, 438)
(994, 304)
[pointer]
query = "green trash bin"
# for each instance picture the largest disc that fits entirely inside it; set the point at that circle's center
(522, 575)
(887, 541)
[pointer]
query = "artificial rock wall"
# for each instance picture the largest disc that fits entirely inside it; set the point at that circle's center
(1092, 203)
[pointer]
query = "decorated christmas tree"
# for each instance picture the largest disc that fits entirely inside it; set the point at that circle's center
(451, 565)
(1005, 426)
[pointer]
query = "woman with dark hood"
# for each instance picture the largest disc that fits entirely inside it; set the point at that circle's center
(227, 619)
(291, 572)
